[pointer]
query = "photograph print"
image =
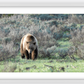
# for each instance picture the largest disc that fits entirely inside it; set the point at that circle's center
(41, 43)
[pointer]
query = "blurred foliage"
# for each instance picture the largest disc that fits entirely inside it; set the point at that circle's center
(47, 28)
(6, 15)
(50, 16)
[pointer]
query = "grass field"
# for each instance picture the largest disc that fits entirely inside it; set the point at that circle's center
(42, 65)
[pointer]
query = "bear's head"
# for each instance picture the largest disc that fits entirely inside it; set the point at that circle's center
(30, 43)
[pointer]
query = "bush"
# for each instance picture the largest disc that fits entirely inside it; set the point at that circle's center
(58, 35)
(76, 18)
(63, 53)
(78, 41)
(66, 35)
(50, 16)
(54, 23)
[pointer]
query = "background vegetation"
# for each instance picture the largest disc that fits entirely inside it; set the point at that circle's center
(60, 38)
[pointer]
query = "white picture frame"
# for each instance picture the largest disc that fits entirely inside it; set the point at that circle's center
(66, 7)
(41, 3)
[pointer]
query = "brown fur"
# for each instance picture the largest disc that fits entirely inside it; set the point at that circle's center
(29, 47)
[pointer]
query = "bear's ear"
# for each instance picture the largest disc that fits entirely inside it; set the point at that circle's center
(31, 37)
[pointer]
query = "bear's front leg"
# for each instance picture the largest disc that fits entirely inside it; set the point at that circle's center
(26, 54)
(21, 51)
(22, 56)
(36, 53)
(33, 55)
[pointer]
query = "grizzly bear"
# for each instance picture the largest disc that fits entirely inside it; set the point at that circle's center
(29, 47)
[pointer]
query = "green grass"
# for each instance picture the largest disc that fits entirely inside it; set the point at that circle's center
(41, 65)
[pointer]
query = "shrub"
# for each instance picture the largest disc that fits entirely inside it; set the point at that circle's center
(50, 16)
(66, 35)
(54, 23)
(6, 40)
(78, 41)
(76, 18)
(58, 35)
(63, 53)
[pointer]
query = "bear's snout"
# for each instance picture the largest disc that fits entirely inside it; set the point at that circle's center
(31, 47)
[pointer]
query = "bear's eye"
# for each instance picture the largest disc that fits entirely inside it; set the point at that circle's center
(27, 42)
(34, 43)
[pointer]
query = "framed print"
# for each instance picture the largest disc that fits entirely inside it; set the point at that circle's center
(41, 42)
